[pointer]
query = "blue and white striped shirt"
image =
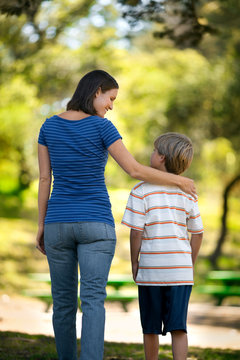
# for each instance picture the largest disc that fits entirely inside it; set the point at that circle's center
(78, 155)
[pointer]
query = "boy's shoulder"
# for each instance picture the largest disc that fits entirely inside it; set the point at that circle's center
(143, 188)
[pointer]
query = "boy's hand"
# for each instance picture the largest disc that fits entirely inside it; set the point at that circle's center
(135, 245)
(134, 270)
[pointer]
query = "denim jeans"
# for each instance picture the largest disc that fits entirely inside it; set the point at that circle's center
(92, 246)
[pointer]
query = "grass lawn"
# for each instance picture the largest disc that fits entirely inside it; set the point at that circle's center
(18, 346)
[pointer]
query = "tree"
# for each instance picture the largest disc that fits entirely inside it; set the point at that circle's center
(38, 74)
(16, 7)
(194, 91)
(178, 20)
(188, 24)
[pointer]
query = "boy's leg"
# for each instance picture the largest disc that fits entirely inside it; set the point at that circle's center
(151, 313)
(179, 345)
(177, 299)
(151, 346)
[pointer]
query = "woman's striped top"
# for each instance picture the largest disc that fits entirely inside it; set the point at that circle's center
(78, 154)
(165, 215)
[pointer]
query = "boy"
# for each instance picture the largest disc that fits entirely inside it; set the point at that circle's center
(160, 218)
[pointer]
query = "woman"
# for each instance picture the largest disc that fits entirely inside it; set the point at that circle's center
(76, 224)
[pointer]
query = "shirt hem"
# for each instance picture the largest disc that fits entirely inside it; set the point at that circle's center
(164, 284)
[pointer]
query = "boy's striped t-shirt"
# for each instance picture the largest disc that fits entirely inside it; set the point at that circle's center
(165, 215)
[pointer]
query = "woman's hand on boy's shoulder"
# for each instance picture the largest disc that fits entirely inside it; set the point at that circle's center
(187, 185)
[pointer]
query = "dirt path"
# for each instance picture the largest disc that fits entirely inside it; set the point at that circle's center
(208, 325)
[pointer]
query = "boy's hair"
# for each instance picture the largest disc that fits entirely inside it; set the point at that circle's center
(177, 149)
(87, 87)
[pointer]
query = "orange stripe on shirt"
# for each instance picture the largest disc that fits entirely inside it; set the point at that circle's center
(165, 237)
(164, 267)
(164, 252)
(131, 226)
(138, 185)
(194, 217)
(165, 222)
(164, 282)
(196, 232)
(136, 196)
(166, 207)
(135, 211)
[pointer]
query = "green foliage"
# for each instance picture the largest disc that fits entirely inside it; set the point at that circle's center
(161, 89)
(39, 71)
(168, 90)
(18, 127)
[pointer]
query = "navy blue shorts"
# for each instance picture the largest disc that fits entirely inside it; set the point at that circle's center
(163, 308)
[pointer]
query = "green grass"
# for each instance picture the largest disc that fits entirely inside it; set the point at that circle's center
(18, 346)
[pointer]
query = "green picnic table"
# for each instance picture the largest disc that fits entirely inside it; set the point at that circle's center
(120, 288)
(221, 284)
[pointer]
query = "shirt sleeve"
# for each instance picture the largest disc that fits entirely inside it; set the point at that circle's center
(194, 221)
(135, 215)
(41, 137)
(109, 133)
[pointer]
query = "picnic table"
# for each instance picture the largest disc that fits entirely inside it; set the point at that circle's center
(120, 288)
(221, 284)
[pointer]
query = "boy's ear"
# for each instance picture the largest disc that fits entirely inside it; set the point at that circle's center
(162, 158)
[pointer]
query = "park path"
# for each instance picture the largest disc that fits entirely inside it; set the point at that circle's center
(208, 325)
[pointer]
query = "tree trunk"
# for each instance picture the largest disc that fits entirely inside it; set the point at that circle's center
(24, 176)
(217, 251)
(16, 7)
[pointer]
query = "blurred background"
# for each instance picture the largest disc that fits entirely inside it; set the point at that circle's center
(177, 65)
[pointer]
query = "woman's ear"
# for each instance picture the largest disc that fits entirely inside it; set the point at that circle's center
(98, 92)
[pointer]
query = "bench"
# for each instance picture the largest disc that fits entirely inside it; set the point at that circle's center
(117, 282)
(125, 290)
(221, 284)
(43, 295)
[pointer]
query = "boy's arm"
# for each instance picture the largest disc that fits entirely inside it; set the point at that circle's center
(196, 241)
(135, 245)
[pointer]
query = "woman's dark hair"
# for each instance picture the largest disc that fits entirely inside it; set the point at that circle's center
(87, 87)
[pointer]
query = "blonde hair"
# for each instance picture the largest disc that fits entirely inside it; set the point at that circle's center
(177, 149)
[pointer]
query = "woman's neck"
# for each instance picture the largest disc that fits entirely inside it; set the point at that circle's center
(73, 115)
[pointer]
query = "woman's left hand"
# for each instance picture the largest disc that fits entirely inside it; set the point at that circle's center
(188, 186)
(40, 240)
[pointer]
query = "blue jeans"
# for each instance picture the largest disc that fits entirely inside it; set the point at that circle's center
(92, 245)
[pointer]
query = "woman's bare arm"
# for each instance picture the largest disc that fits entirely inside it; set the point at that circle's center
(138, 171)
(45, 178)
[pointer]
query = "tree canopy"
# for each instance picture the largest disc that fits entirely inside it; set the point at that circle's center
(177, 63)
